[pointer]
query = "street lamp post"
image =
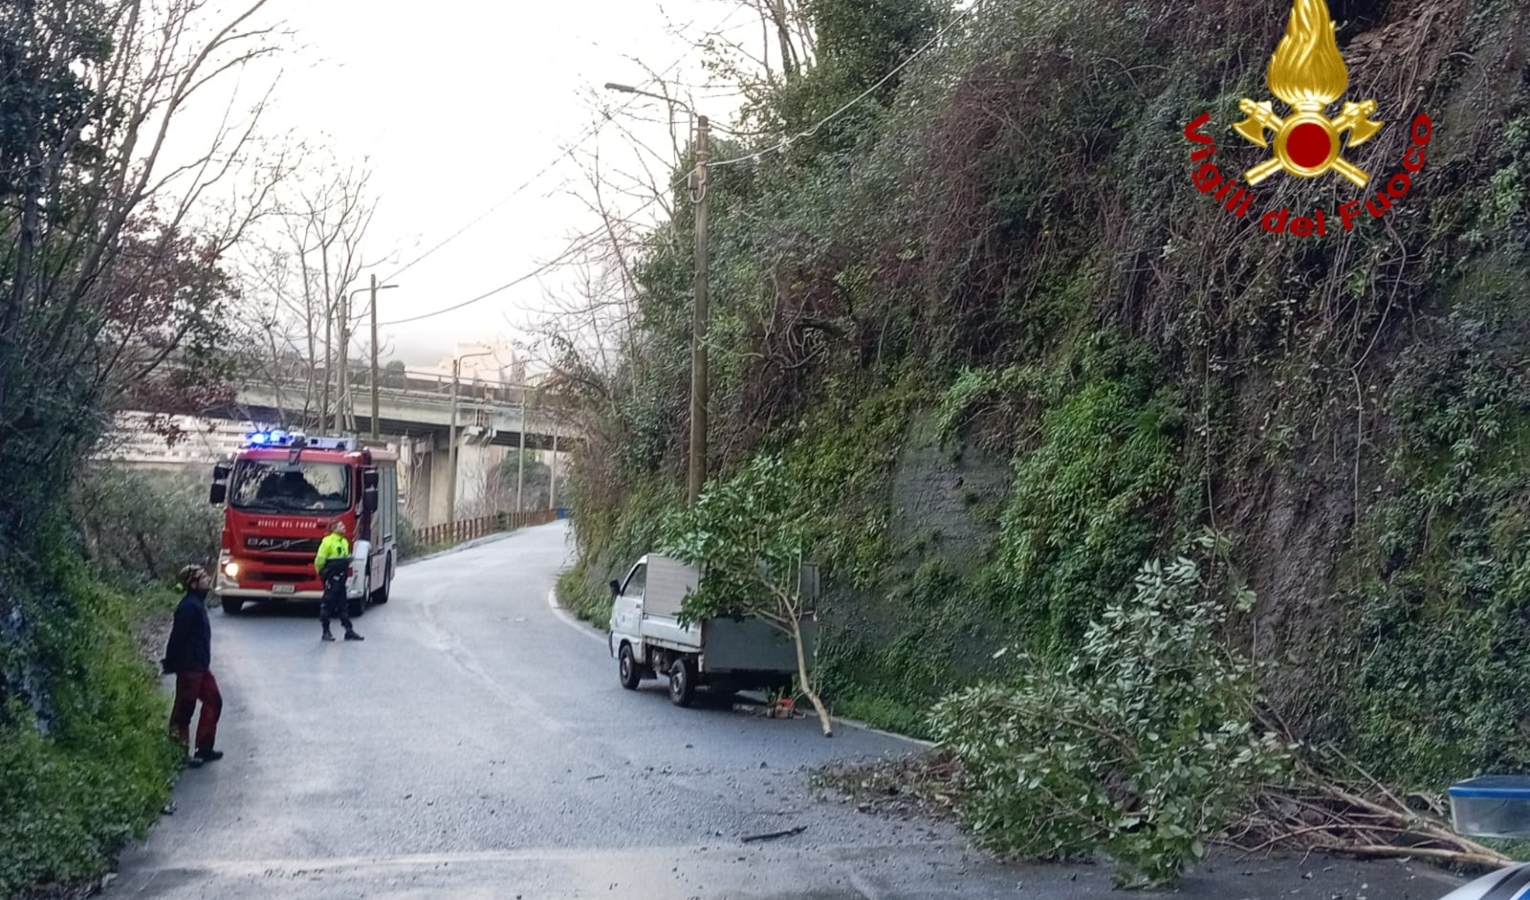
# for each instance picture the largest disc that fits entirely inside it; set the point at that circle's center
(373, 288)
(451, 445)
(700, 315)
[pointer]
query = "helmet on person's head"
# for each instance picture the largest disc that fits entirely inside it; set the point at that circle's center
(188, 576)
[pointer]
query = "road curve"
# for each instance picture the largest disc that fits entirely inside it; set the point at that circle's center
(478, 745)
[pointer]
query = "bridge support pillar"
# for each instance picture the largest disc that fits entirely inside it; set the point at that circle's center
(430, 478)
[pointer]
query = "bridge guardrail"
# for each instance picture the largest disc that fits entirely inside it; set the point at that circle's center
(467, 404)
(449, 534)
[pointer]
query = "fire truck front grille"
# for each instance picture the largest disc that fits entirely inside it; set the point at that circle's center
(265, 544)
(282, 577)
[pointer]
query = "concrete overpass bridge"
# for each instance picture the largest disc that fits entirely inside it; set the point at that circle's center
(498, 416)
(415, 413)
(492, 420)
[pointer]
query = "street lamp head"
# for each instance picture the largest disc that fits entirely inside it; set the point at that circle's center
(380, 287)
(629, 89)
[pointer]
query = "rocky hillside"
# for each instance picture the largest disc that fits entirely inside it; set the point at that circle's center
(1012, 343)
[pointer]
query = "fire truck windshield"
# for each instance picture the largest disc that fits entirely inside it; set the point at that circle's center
(275, 486)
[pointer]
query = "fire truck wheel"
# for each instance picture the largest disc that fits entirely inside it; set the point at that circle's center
(380, 596)
(232, 606)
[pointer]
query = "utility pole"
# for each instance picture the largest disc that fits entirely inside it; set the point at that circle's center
(374, 356)
(698, 465)
(329, 365)
(451, 448)
(373, 288)
(343, 369)
(698, 468)
(552, 488)
(520, 459)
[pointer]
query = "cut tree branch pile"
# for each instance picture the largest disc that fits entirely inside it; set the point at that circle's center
(1366, 820)
(1332, 818)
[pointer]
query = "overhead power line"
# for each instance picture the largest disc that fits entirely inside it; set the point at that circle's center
(484, 296)
(567, 151)
(520, 279)
(486, 213)
(788, 141)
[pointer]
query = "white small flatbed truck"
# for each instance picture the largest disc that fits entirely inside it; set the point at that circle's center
(722, 653)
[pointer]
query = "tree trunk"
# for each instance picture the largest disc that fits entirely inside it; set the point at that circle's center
(807, 686)
(152, 565)
(789, 62)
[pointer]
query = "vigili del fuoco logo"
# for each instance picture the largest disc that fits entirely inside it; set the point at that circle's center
(1308, 75)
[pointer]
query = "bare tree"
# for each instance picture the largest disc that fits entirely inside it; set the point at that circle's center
(787, 46)
(297, 336)
(113, 239)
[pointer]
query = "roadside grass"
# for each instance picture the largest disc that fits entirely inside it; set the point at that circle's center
(88, 771)
(585, 601)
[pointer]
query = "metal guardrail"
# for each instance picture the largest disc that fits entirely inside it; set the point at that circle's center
(449, 534)
(467, 404)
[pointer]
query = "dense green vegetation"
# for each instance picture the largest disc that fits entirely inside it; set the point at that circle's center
(103, 282)
(1142, 741)
(998, 336)
(94, 770)
(140, 526)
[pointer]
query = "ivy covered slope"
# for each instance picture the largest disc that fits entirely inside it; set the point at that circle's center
(1010, 351)
(103, 278)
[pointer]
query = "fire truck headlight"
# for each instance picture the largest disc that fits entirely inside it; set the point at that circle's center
(231, 569)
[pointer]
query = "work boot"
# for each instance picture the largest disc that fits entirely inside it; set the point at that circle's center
(326, 636)
(193, 762)
(353, 636)
(208, 755)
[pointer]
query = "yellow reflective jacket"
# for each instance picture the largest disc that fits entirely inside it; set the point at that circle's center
(332, 546)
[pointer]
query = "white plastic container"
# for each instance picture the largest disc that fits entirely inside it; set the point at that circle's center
(1492, 806)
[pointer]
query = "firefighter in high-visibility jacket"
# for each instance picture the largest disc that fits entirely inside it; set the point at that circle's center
(332, 562)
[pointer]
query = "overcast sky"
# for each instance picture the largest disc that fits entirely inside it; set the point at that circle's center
(455, 104)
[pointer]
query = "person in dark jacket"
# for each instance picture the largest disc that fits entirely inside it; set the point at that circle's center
(188, 656)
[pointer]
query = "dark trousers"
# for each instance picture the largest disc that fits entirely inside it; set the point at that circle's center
(191, 688)
(335, 605)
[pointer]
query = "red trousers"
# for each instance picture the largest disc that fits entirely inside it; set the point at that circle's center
(191, 687)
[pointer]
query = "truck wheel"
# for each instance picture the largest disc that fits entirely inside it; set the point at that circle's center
(380, 596)
(231, 606)
(628, 669)
(682, 682)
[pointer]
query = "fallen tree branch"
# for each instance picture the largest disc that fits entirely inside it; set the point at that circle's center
(772, 835)
(1379, 825)
(1488, 858)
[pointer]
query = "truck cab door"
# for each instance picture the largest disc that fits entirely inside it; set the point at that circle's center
(627, 605)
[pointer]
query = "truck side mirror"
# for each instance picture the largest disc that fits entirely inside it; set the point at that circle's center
(369, 499)
(219, 491)
(616, 588)
(369, 478)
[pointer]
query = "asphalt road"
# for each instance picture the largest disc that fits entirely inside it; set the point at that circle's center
(477, 744)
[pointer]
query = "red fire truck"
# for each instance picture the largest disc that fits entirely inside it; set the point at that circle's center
(280, 492)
